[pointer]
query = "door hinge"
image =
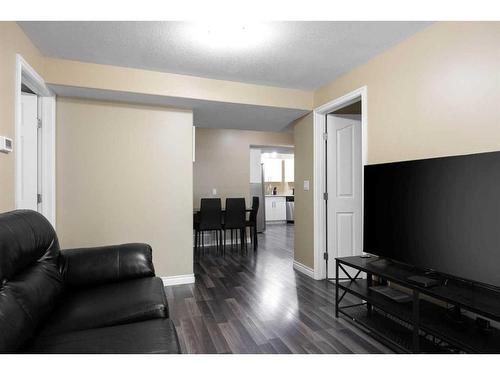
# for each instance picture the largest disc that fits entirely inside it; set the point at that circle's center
(325, 136)
(325, 256)
(39, 198)
(325, 196)
(39, 123)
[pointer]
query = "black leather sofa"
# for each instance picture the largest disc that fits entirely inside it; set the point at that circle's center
(99, 300)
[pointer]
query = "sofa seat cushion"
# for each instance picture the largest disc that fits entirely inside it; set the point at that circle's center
(108, 304)
(149, 336)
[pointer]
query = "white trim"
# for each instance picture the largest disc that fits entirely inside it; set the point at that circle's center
(319, 167)
(318, 189)
(48, 204)
(308, 271)
(27, 75)
(178, 279)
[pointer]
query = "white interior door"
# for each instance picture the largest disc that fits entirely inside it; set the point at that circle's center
(344, 174)
(28, 152)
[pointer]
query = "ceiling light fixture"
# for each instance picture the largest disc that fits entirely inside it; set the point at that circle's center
(229, 35)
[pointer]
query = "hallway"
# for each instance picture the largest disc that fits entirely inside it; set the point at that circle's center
(258, 304)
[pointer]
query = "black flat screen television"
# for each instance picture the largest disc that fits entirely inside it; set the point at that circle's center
(441, 214)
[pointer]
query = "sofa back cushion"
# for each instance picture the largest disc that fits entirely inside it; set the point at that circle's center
(30, 279)
(106, 264)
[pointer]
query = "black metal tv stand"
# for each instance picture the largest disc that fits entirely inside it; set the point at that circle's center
(438, 319)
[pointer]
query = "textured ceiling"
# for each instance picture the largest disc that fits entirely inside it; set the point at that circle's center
(302, 55)
(207, 114)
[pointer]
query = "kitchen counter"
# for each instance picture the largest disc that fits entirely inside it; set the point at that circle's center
(279, 195)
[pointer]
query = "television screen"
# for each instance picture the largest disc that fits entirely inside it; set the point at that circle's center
(441, 214)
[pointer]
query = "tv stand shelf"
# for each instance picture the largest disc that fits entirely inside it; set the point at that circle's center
(421, 325)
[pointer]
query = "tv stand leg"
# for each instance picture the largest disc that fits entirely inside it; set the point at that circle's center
(416, 321)
(369, 281)
(336, 288)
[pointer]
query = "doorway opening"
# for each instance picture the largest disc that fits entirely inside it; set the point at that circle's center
(272, 177)
(272, 182)
(340, 129)
(34, 142)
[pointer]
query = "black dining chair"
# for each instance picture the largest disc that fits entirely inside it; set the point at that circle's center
(209, 220)
(234, 220)
(251, 223)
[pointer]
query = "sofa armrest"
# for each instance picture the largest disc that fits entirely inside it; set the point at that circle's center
(99, 265)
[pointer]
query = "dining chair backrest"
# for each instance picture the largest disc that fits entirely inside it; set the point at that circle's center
(210, 214)
(255, 209)
(235, 216)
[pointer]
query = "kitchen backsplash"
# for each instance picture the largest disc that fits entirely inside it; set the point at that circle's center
(283, 188)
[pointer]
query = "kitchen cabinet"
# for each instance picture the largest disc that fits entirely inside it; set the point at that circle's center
(275, 208)
(289, 172)
(273, 171)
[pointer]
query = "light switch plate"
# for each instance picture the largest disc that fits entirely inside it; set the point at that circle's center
(214, 191)
(5, 145)
(306, 185)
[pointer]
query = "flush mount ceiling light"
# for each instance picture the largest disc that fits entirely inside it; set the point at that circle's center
(229, 35)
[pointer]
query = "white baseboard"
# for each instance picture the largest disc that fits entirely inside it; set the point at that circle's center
(178, 279)
(304, 269)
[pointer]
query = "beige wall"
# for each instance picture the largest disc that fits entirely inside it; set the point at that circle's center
(223, 160)
(304, 202)
(435, 94)
(124, 174)
(108, 77)
(12, 41)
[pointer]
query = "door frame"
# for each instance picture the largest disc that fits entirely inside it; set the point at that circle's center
(319, 161)
(25, 74)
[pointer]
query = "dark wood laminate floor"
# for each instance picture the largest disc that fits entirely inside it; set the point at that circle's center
(257, 303)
